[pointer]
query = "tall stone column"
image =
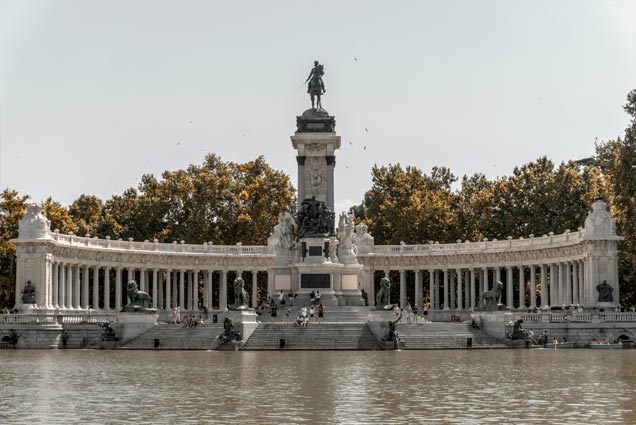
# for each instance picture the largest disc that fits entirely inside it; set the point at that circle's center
(486, 284)
(254, 288)
(522, 288)
(155, 287)
(175, 289)
(130, 276)
(562, 291)
(581, 268)
(69, 285)
(95, 287)
(509, 288)
(446, 301)
(107, 288)
(168, 304)
(371, 286)
(418, 291)
(181, 301)
(56, 285)
(142, 280)
(545, 293)
(223, 291)
(553, 285)
(76, 286)
(473, 298)
(161, 292)
(431, 289)
(438, 301)
(533, 287)
(452, 288)
(62, 287)
(195, 290)
(85, 294)
(402, 288)
(189, 304)
(460, 302)
(118, 289)
(497, 275)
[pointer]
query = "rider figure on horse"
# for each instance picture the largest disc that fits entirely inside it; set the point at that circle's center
(316, 87)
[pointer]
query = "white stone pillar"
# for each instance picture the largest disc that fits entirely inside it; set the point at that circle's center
(161, 293)
(473, 298)
(142, 280)
(130, 276)
(553, 285)
(522, 288)
(155, 288)
(118, 289)
(438, 300)
(175, 288)
(486, 278)
(85, 296)
(575, 283)
(431, 289)
(446, 301)
(254, 288)
(452, 288)
(106, 288)
(56, 285)
(418, 291)
(533, 287)
(561, 291)
(69, 285)
(497, 275)
(62, 287)
(223, 291)
(402, 289)
(460, 302)
(569, 290)
(95, 287)
(545, 292)
(190, 285)
(509, 288)
(168, 294)
(181, 301)
(371, 286)
(581, 284)
(195, 290)
(76, 286)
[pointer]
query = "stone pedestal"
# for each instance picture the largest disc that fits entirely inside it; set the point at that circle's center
(378, 322)
(244, 321)
(131, 325)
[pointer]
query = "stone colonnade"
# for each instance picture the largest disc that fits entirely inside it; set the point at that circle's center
(77, 286)
(537, 285)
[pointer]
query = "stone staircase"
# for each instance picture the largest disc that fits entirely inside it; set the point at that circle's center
(316, 336)
(343, 314)
(176, 337)
(445, 335)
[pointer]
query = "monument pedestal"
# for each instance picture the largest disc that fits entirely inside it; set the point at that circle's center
(134, 324)
(244, 321)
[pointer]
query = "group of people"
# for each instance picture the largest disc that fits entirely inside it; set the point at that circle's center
(191, 321)
(303, 318)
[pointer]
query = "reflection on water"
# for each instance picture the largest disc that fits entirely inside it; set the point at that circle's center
(351, 387)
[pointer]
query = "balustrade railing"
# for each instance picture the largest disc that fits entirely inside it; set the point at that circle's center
(27, 319)
(585, 317)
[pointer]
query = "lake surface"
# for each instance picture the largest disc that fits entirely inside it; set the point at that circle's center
(349, 387)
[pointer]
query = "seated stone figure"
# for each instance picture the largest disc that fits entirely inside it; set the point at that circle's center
(383, 297)
(605, 292)
(28, 293)
(139, 301)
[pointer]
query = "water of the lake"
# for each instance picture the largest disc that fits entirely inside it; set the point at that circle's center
(349, 387)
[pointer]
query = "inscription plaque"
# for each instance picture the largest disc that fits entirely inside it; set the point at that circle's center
(315, 251)
(315, 281)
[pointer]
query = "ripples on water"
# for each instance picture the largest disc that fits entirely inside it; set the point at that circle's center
(348, 387)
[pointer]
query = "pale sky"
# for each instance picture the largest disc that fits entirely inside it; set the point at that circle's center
(95, 94)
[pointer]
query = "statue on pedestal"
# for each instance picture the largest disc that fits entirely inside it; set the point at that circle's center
(140, 301)
(488, 301)
(316, 87)
(383, 297)
(28, 293)
(241, 297)
(315, 219)
(605, 292)
(228, 332)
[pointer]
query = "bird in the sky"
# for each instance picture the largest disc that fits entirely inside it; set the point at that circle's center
(355, 58)
(364, 148)
(178, 143)
(366, 129)
(350, 143)
(190, 122)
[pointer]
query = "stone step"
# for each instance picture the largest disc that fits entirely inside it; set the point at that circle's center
(324, 336)
(175, 336)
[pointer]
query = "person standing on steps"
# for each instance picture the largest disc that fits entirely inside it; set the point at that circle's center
(317, 297)
(281, 299)
(321, 312)
(312, 312)
(287, 313)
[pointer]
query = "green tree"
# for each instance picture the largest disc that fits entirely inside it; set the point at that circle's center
(12, 208)
(617, 160)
